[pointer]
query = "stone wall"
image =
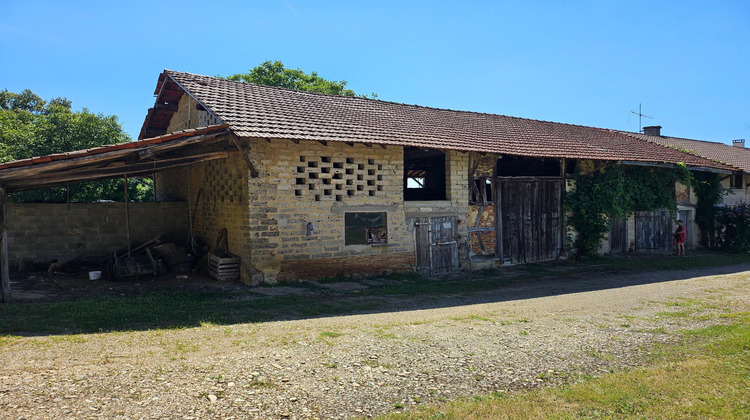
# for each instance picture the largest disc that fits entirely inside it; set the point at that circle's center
(40, 232)
(218, 198)
(308, 183)
(289, 221)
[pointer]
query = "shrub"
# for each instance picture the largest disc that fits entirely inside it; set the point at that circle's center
(733, 227)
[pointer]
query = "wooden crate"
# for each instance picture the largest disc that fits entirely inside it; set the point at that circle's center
(224, 266)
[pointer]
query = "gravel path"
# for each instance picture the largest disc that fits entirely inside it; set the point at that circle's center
(364, 365)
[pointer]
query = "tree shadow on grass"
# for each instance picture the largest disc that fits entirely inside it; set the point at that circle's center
(156, 304)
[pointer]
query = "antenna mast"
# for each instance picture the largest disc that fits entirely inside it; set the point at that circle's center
(640, 114)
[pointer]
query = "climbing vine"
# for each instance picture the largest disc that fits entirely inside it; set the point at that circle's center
(708, 190)
(614, 192)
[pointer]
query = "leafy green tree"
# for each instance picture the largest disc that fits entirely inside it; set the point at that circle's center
(273, 73)
(31, 126)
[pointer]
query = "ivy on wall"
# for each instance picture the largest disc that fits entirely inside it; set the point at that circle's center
(708, 190)
(616, 191)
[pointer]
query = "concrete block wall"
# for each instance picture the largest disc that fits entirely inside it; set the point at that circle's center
(40, 232)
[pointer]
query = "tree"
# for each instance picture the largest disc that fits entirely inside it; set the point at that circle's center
(273, 73)
(30, 126)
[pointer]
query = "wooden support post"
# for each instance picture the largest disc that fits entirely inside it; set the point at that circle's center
(250, 166)
(5, 296)
(127, 213)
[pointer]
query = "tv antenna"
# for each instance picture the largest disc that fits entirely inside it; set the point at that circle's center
(640, 115)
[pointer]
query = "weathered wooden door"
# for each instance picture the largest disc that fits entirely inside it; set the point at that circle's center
(618, 236)
(653, 232)
(437, 244)
(529, 213)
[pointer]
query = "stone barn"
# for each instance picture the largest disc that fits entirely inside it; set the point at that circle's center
(327, 185)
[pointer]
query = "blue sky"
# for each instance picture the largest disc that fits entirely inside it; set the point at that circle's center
(578, 62)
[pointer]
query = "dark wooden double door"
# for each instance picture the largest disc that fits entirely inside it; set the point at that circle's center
(529, 219)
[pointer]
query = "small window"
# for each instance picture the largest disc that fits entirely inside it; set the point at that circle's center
(424, 174)
(735, 181)
(365, 228)
(481, 191)
(415, 182)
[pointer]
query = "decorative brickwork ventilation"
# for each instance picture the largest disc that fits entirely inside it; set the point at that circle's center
(223, 182)
(325, 178)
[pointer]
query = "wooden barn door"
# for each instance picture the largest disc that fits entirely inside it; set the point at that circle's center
(529, 211)
(618, 236)
(653, 232)
(437, 244)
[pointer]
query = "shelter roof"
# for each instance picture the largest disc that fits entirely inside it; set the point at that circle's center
(132, 159)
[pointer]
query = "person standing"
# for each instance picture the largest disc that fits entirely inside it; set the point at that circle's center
(680, 235)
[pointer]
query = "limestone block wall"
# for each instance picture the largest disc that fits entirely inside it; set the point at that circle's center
(190, 115)
(308, 183)
(217, 193)
(40, 232)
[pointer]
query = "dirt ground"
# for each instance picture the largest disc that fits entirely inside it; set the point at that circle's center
(540, 332)
(60, 286)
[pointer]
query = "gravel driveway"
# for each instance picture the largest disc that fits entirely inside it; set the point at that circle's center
(536, 334)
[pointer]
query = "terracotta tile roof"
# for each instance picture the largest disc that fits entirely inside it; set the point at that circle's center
(738, 157)
(268, 112)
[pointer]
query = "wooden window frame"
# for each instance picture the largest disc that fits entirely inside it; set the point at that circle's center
(371, 234)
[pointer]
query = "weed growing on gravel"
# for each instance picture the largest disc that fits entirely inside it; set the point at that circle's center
(380, 333)
(330, 334)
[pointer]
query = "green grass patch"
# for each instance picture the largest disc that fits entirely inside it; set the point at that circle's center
(167, 309)
(330, 334)
(705, 375)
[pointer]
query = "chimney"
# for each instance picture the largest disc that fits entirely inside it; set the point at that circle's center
(653, 130)
(739, 143)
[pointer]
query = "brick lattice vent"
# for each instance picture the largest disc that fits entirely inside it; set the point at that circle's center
(324, 178)
(223, 182)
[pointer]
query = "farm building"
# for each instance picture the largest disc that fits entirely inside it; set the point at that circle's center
(310, 185)
(340, 185)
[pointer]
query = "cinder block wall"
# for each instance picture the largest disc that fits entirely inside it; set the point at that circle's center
(40, 232)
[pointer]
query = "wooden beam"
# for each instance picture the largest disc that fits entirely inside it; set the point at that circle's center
(250, 166)
(33, 181)
(89, 160)
(127, 212)
(5, 294)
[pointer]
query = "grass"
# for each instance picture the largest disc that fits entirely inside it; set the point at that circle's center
(183, 309)
(705, 375)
